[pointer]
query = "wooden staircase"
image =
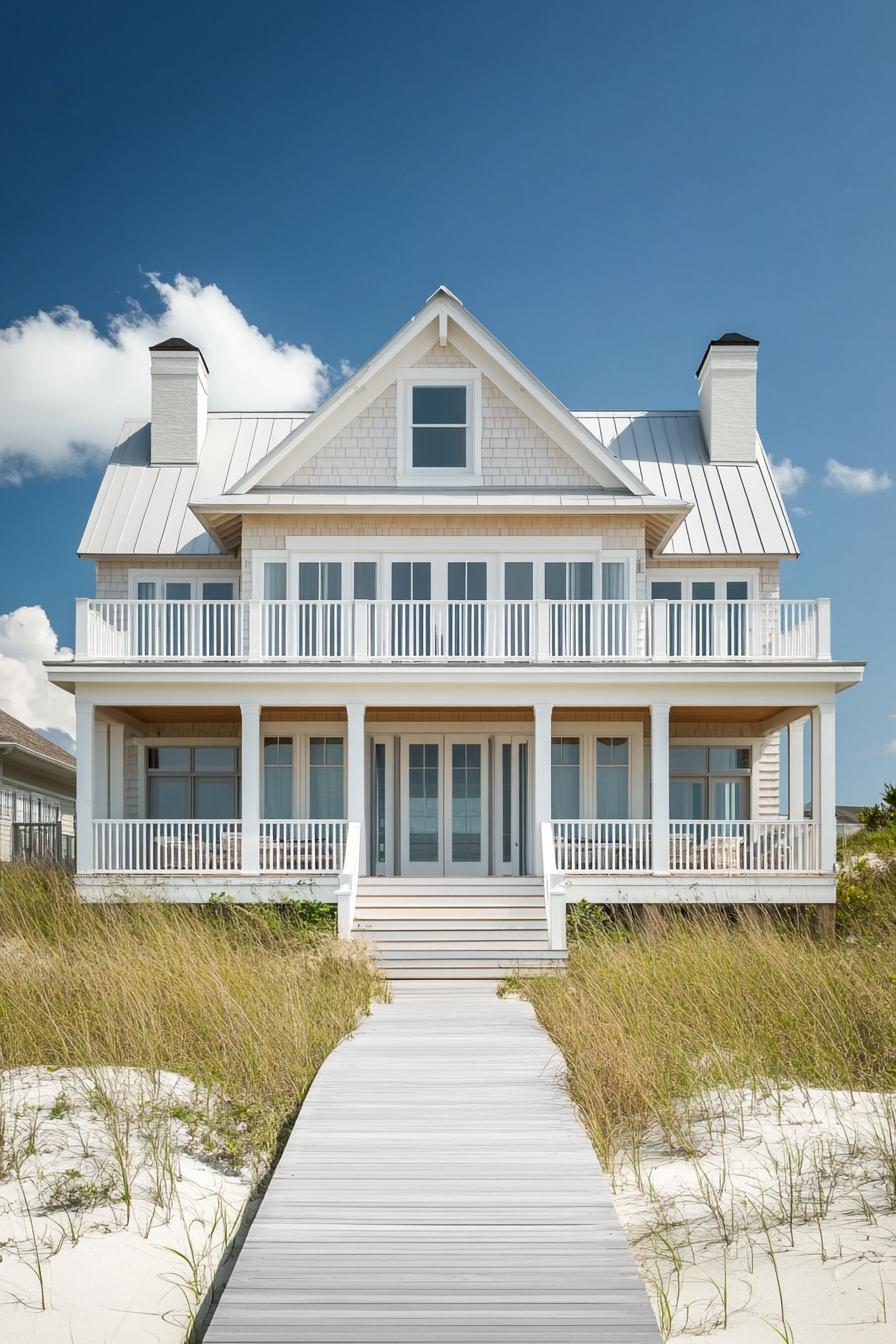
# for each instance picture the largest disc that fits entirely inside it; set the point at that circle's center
(455, 928)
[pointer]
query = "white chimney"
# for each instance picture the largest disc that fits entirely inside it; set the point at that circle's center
(179, 403)
(726, 382)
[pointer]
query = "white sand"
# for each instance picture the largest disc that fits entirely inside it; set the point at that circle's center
(110, 1272)
(802, 1187)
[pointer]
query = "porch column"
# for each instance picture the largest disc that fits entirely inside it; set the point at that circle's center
(541, 777)
(250, 757)
(796, 784)
(85, 727)
(659, 785)
(355, 774)
(824, 797)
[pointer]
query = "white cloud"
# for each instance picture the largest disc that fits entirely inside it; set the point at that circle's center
(855, 480)
(789, 476)
(65, 387)
(799, 511)
(26, 639)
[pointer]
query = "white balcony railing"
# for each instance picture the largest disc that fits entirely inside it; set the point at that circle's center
(144, 846)
(443, 632)
(602, 846)
(167, 846)
(302, 846)
(773, 846)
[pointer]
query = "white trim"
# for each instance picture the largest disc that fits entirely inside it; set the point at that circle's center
(407, 346)
(406, 381)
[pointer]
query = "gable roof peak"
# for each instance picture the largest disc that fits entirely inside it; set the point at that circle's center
(443, 292)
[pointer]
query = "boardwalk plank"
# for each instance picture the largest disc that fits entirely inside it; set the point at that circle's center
(438, 1188)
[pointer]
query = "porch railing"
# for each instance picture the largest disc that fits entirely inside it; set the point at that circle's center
(302, 846)
(774, 846)
(603, 846)
(544, 631)
(142, 846)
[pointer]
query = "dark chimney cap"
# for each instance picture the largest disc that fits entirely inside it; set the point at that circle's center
(178, 343)
(729, 338)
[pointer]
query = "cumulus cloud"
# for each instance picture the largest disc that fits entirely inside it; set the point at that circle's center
(26, 639)
(855, 480)
(789, 476)
(65, 386)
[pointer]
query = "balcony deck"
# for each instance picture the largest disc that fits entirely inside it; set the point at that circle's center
(440, 632)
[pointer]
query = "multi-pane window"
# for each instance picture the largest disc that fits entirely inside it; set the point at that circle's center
(701, 628)
(6, 804)
(709, 783)
(278, 757)
(192, 782)
(612, 785)
(423, 802)
(565, 777)
(326, 786)
(466, 802)
(439, 427)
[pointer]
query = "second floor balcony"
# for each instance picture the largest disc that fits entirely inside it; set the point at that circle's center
(439, 632)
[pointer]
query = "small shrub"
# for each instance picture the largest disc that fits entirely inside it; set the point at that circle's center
(73, 1190)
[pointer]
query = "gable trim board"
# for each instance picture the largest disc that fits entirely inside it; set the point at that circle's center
(412, 343)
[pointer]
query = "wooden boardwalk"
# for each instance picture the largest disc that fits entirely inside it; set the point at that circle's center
(437, 1188)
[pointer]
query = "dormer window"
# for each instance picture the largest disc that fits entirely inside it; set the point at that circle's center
(438, 417)
(439, 428)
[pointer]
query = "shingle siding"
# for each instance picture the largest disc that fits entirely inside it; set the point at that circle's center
(515, 452)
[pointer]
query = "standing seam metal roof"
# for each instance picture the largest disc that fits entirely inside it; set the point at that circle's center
(145, 510)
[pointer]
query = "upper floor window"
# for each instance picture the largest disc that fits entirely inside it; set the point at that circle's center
(438, 425)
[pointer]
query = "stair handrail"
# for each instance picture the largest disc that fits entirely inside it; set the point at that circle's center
(554, 889)
(347, 890)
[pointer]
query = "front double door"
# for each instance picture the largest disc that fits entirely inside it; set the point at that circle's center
(445, 814)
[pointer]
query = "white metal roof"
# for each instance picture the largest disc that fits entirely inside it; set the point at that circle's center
(738, 509)
(145, 510)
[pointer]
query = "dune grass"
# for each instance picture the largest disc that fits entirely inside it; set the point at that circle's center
(246, 1001)
(710, 1001)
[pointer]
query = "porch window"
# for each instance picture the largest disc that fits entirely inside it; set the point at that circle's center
(565, 783)
(611, 790)
(192, 782)
(439, 428)
(326, 787)
(709, 783)
(278, 753)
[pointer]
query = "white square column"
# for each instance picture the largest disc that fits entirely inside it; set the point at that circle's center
(796, 784)
(824, 777)
(355, 774)
(659, 786)
(541, 778)
(85, 731)
(250, 763)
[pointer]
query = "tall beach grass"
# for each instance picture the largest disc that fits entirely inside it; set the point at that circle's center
(646, 1023)
(243, 1000)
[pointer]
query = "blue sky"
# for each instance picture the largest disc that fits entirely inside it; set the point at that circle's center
(605, 186)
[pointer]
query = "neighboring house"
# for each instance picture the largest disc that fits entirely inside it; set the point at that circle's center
(849, 820)
(37, 796)
(450, 636)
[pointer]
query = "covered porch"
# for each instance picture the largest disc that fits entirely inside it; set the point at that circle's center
(644, 799)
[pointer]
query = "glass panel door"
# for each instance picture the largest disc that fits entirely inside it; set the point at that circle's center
(320, 609)
(218, 621)
(569, 587)
(670, 591)
(422, 827)
(518, 594)
(411, 618)
(467, 841)
(703, 596)
(467, 588)
(177, 595)
(511, 806)
(382, 814)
